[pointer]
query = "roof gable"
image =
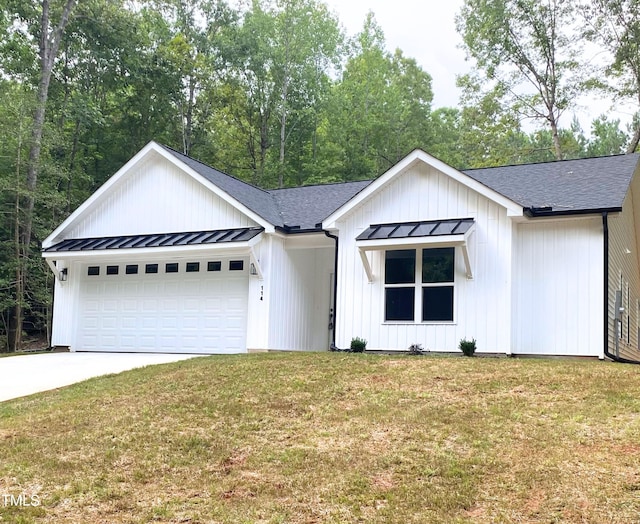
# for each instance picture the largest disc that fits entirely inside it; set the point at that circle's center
(146, 154)
(411, 160)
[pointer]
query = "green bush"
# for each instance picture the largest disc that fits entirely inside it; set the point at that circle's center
(468, 347)
(358, 345)
(416, 349)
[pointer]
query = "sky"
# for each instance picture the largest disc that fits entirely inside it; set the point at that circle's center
(423, 29)
(426, 30)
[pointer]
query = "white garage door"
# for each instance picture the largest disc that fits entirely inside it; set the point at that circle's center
(203, 311)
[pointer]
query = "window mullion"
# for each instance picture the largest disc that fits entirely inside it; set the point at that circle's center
(417, 316)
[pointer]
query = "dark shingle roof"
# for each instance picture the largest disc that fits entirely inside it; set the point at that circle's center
(569, 186)
(257, 200)
(298, 207)
(307, 206)
(565, 186)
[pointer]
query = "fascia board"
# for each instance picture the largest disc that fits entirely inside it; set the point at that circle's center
(413, 158)
(399, 243)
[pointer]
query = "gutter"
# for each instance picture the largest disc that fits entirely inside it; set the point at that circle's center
(548, 211)
(608, 354)
(333, 346)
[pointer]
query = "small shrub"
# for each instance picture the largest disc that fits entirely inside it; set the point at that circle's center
(416, 349)
(468, 347)
(358, 345)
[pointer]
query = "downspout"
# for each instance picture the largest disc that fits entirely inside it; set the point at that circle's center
(608, 354)
(333, 346)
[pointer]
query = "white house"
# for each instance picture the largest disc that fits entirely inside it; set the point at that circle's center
(171, 255)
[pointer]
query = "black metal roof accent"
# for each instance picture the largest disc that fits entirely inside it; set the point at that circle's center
(193, 238)
(428, 228)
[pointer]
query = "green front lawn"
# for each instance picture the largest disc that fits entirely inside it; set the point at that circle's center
(330, 437)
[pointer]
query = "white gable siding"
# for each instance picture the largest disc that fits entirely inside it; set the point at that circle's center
(299, 294)
(623, 261)
(482, 308)
(558, 287)
(157, 197)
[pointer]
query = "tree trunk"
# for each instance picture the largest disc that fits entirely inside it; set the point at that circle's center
(556, 138)
(635, 139)
(48, 49)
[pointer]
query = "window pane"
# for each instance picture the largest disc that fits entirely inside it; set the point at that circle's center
(193, 267)
(399, 303)
(171, 267)
(236, 265)
(131, 269)
(112, 270)
(214, 266)
(437, 303)
(151, 268)
(93, 270)
(400, 266)
(437, 264)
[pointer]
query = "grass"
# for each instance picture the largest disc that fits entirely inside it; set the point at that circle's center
(332, 437)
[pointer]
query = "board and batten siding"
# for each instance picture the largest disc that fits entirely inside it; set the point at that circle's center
(64, 313)
(558, 287)
(157, 197)
(299, 295)
(624, 266)
(482, 306)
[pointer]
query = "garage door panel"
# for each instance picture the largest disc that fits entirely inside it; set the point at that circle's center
(200, 313)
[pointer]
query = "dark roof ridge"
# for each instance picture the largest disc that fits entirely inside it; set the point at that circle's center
(556, 161)
(369, 180)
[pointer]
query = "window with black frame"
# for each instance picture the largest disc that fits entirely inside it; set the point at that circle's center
(426, 275)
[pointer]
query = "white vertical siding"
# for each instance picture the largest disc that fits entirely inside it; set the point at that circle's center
(64, 310)
(623, 259)
(258, 303)
(482, 305)
(558, 287)
(299, 294)
(158, 197)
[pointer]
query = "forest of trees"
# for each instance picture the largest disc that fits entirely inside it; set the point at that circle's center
(275, 93)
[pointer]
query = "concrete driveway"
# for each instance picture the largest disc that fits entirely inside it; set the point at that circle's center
(23, 375)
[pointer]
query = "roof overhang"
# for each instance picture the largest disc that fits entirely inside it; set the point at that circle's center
(142, 155)
(426, 234)
(412, 159)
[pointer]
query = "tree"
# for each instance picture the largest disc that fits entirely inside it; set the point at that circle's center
(47, 24)
(522, 46)
(615, 25)
(380, 108)
(606, 138)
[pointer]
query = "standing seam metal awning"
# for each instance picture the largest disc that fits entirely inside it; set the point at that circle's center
(449, 232)
(193, 238)
(219, 239)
